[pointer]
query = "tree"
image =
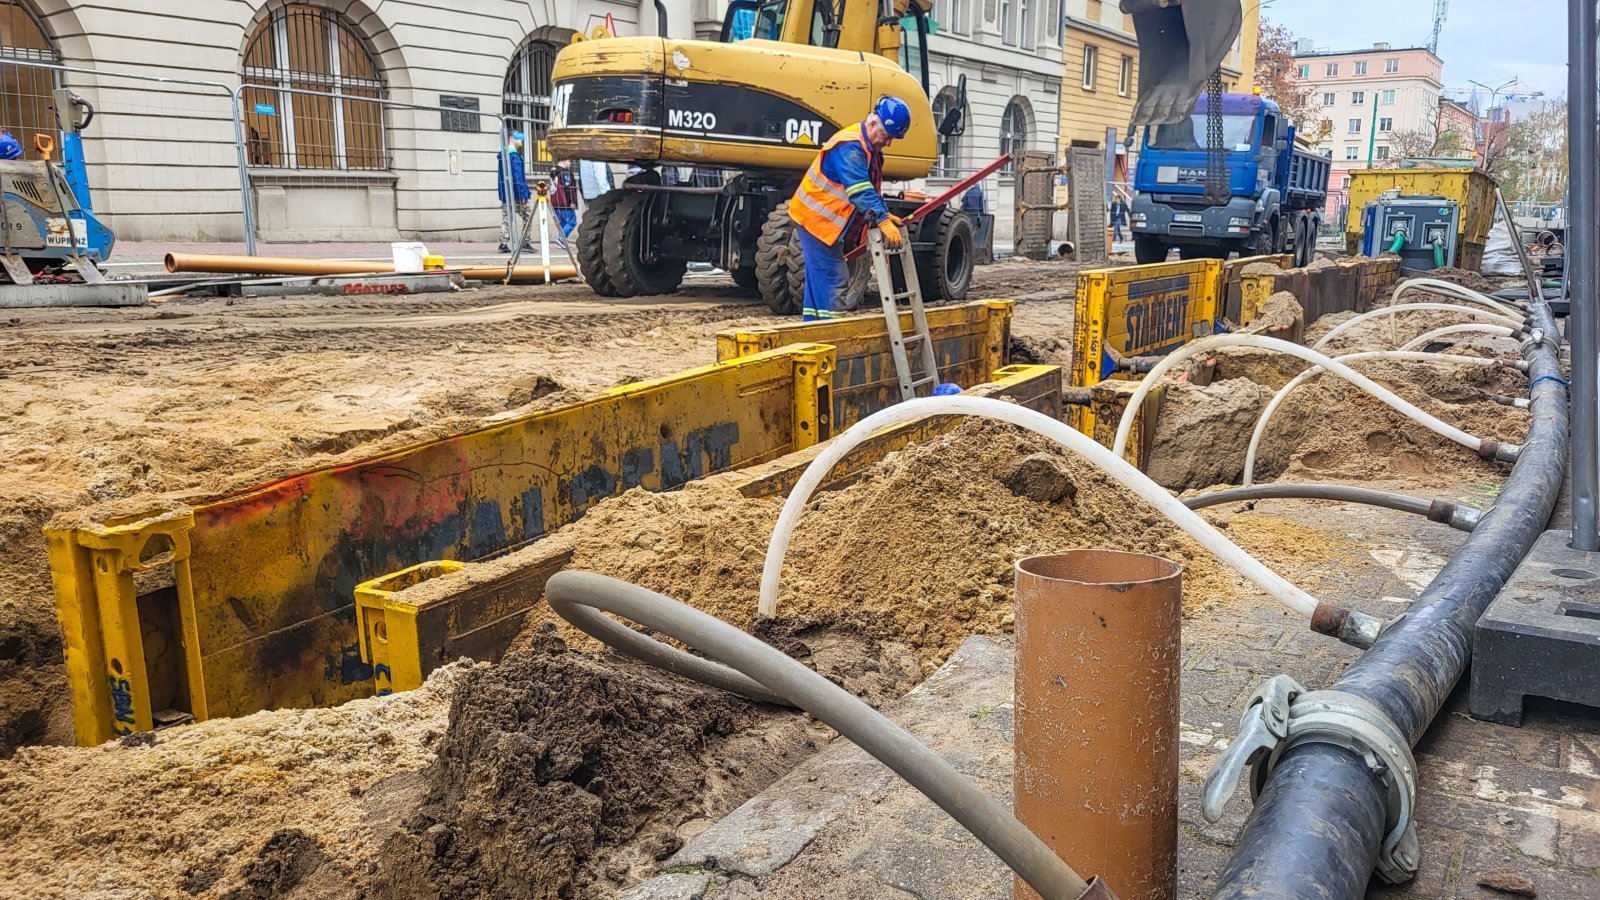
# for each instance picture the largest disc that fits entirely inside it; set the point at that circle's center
(1279, 77)
(1532, 163)
(1418, 143)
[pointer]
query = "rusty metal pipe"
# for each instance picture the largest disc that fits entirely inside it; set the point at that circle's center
(1096, 772)
(285, 265)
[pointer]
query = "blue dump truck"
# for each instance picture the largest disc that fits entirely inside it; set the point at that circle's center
(1276, 194)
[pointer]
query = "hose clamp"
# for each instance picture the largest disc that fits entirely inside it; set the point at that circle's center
(1281, 715)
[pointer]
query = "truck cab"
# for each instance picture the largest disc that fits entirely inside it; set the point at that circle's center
(1269, 196)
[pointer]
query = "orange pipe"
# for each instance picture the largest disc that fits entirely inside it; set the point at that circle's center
(1097, 714)
(281, 265)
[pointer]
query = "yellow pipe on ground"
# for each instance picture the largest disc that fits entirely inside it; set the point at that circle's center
(282, 265)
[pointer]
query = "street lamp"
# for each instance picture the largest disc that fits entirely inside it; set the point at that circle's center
(1494, 95)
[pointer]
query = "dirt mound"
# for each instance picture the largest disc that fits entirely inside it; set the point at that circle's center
(1467, 278)
(568, 775)
(1203, 432)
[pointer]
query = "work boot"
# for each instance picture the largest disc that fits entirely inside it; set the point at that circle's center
(505, 248)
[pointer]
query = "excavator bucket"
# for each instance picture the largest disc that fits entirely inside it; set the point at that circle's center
(1181, 44)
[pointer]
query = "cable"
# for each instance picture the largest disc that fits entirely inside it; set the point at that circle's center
(1461, 518)
(1473, 443)
(741, 659)
(1438, 286)
(1422, 340)
(1391, 311)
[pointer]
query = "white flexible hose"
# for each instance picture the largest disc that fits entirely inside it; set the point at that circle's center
(1422, 340)
(1284, 392)
(1039, 423)
(1390, 398)
(1438, 286)
(1391, 311)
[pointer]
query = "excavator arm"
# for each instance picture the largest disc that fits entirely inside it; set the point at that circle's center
(1182, 43)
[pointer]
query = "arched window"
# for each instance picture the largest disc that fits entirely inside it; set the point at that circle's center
(526, 96)
(948, 165)
(25, 94)
(310, 83)
(1014, 131)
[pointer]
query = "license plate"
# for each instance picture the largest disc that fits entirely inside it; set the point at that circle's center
(1186, 217)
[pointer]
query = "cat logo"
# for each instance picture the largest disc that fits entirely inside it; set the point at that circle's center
(805, 132)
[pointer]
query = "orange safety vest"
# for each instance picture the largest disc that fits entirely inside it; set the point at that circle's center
(820, 204)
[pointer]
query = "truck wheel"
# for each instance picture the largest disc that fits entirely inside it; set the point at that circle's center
(780, 264)
(946, 273)
(589, 245)
(1147, 248)
(745, 278)
(626, 267)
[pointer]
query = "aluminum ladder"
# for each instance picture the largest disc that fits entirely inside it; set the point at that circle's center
(921, 341)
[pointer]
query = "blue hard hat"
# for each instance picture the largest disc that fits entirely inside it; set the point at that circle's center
(947, 389)
(9, 148)
(895, 115)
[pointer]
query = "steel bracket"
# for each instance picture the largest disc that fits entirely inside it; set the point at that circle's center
(1281, 715)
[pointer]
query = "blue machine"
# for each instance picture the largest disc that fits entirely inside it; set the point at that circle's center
(47, 219)
(1275, 193)
(1420, 229)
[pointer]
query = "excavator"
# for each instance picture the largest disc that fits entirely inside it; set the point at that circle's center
(747, 114)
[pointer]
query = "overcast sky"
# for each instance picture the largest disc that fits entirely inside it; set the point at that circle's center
(1488, 41)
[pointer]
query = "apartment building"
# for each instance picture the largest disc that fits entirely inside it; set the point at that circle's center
(1368, 96)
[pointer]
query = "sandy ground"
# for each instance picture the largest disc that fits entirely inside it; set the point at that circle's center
(199, 396)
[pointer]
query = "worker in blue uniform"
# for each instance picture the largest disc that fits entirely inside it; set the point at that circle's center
(838, 197)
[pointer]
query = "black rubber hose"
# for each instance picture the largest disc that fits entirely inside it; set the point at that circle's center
(755, 669)
(1458, 517)
(1312, 833)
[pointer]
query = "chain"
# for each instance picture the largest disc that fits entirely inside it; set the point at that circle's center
(1217, 193)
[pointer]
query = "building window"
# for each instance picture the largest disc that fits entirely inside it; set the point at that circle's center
(526, 97)
(1305, 71)
(948, 165)
(1332, 70)
(1352, 152)
(1386, 124)
(1345, 182)
(958, 16)
(1391, 66)
(310, 94)
(1327, 153)
(25, 93)
(1354, 126)
(1052, 18)
(1125, 77)
(1008, 22)
(1383, 153)
(1328, 99)
(1014, 130)
(1358, 97)
(1386, 97)
(1025, 20)
(1361, 67)
(1091, 60)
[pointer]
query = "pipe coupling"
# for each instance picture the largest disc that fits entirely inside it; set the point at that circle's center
(1282, 714)
(1351, 627)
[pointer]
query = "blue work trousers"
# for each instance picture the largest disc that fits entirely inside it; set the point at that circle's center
(827, 278)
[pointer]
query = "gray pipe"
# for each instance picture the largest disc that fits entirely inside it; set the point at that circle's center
(1583, 271)
(1461, 518)
(761, 672)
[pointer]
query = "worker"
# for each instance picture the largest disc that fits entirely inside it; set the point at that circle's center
(564, 197)
(9, 147)
(514, 185)
(838, 198)
(1119, 217)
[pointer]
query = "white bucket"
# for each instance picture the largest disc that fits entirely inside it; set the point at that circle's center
(408, 255)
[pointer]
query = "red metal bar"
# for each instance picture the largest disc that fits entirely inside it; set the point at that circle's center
(955, 191)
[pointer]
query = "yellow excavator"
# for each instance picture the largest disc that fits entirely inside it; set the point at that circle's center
(747, 113)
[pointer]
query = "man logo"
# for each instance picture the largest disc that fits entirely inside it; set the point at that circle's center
(805, 132)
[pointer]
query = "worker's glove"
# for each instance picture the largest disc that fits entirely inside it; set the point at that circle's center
(891, 233)
(897, 220)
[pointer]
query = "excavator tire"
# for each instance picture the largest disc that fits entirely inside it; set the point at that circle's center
(780, 264)
(630, 275)
(745, 278)
(589, 245)
(946, 274)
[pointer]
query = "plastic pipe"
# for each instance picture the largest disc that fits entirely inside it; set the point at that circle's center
(1389, 398)
(1319, 817)
(1438, 254)
(1461, 518)
(281, 265)
(1097, 764)
(1422, 340)
(1398, 242)
(739, 658)
(1391, 311)
(1350, 628)
(1476, 444)
(1440, 286)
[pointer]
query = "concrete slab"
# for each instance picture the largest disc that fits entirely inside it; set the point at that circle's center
(1492, 798)
(107, 293)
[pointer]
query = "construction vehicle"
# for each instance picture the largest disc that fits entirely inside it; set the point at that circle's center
(748, 113)
(47, 222)
(1272, 192)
